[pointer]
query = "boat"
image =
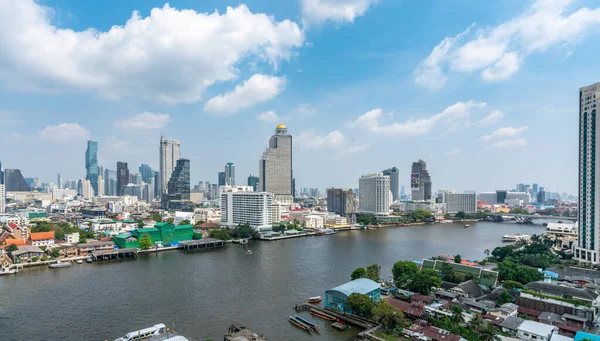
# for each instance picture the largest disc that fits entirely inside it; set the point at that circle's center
(315, 299)
(8, 271)
(79, 261)
(299, 324)
(322, 315)
(60, 264)
(319, 232)
(467, 226)
(249, 252)
(308, 322)
(244, 241)
(144, 334)
(330, 231)
(515, 237)
(446, 221)
(89, 260)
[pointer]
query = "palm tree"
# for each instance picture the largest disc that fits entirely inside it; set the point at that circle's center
(487, 253)
(476, 323)
(457, 317)
(488, 333)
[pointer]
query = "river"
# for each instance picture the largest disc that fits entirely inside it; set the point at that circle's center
(204, 292)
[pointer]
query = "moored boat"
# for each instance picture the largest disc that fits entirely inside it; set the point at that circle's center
(330, 231)
(60, 264)
(467, 226)
(324, 316)
(8, 271)
(308, 322)
(299, 324)
(146, 333)
(515, 237)
(89, 260)
(315, 299)
(79, 261)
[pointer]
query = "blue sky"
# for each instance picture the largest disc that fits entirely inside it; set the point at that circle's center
(484, 92)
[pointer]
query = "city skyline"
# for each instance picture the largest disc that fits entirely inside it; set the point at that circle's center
(376, 97)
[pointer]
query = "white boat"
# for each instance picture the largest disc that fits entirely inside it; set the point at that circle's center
(467, 226)
(59, 264)
(8, 271)
(515, 237)
(89, 260)
(79, 261)
(249, 252)
(243, 241)
(144, 334)
(446, 221)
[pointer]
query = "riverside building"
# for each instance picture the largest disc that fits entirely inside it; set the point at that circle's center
(241, 206)
(374, 194)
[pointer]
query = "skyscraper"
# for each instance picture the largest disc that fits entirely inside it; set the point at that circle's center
(230, 174)
(341, 201)
(110, 182)
(253, 181)
(420, 181)
(588, 238)
(170, 151)
(275, 166)
(146, 172)
(374, 194)
(221, 180)
(122, 176)
(59, 181)
(14, 181)
(393, 174)
(91, 164)
(178, 188)
(2, 190)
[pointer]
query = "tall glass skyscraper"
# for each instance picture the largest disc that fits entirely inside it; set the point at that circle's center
(230, 174)
(146, 172)
(178, 188)
(393, 173)
(420, 181)
(91, 164)
(275, 166)
(122, 176)
(169, 153)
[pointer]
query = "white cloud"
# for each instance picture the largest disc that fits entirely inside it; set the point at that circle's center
(453, 114)
(258, 88)
(170, 56)
(357, 149)
(268, 116)
(492, 118)
(514, 143)
(497, 52)
(63, 132)
(145, 121)
(504, 132)
(454, 151)
(311, 140)
(340, 11)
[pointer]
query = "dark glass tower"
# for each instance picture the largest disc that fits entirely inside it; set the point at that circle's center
(14, 181)
(91, 164)
(420, 181)
(122, 176)
(178, 186)
(393, 174)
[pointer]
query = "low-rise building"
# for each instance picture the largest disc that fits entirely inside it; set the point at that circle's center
(42, 238)
(337, 298)
(312, 221)
(531, 330)
(26, 253)
(72, 238)
(87, 248)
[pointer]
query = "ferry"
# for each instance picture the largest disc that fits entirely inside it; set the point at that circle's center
(144, 334)
(315, 299)
(324, 316)
(308, 322)
(299, 324)
(515, 237)
(60, 264)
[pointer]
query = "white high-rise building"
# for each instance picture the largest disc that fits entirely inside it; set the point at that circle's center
(170, 151)
(275, 166)
(458, 202)
(254, 208)
(100, 186)
(587, 247)
(374, 194)
(2, 198)
(87, 191)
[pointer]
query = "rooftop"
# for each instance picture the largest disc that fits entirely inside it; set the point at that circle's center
(42, 235)
(512, 322)
(359, 286)
(536, 328)
(27, 248)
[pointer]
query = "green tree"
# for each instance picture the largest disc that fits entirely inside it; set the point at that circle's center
(156, 217)
(518, 211)
(358, 273)
(388, 315)
(35, 259)
(403, 272)
(184, 222)
(11, 248)
(360, 304)
(220, 233)
(373, 272)
(461, 215)
(145, 242)
(457, 317)
(424, 280)
(476, 323)
(170, 220)
(279, 228)
(510, 285)
(504, 298)
(44, 258)
(244, 231)
(457, 259)
(447, 272)
(141, 224)
(488, 333)
(55, 253)
(508, 270)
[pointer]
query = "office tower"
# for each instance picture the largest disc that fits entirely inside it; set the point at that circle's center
(341, 201)
(230, 174)
(253, 181)
(137, 179)
(201, 186)
(148, 191)
(534, 190)
(520, 188)
(458, 202)
(1, 174)
(157, 180)
(110, 182)
(100, 186)
(2, 198)
(541, 196)
(588, 239)
(178, 188)
(146, 172)
(402, 192)
(275, 166)
(59, 181)
(170, 151)
(91, 164)
(393, 173)
(502, 195)
(122, 176)
(420, 181)
(221, 179)
(246, 207)
(374, 194)
(14, 181)
(133, 190)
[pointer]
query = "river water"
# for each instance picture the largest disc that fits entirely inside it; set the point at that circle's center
(204, 292)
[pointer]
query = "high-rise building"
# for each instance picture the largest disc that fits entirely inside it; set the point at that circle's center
(146, 172)
(110, 182)
(137, 179)
(246, 207)
(402, 192)
(178, 188)
(253, 181)
(122, 176)
(91, 164)
(59, 181)
(100, 186)
(2, 198)
(221, 180)
(587, 247)
(458, 202)
(374, 194)
(87, 191)
(541, 196)
(133, 190)
(393, 173)
(1, 174)
(341, 201)
(14, 181)
(535, 190)
(275, 166)
(157, 180)
(420, 181)
(170, 151)
(230, 174)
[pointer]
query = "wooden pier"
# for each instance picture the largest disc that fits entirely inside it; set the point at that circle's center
(114, 254)
(201, 244)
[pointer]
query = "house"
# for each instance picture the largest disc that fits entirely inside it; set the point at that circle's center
(476, 307)
(68, 250)
(510, 324)
(26, 253)
(505, 310)
(467, 289)
(42, 238)
(495, 320)
(560, 298)
(531, 330)
(337, 297)
(422, 299)
(72, 238)
(414, 309)
(88, 248)
(438, 334)
(550, 318)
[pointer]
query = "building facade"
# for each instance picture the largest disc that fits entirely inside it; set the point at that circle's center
(91, 164)
(122, 176)
(374, 194)
(178, 188)
(2, 199)
(14, 181)
(275, 166)
(221, 179)
(458, 202)
(146, 172)
(253, 208)
(393, 173)
(420, 181)
(229, 174)
(587, 247)
(341, 201)
(169, 154)
(253, 181)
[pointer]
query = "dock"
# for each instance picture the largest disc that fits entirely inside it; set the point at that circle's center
(238, 332)
(306, 234)
(347, 318)
(114, 254)
(201, 244)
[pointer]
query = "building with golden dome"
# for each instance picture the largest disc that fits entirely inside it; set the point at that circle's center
(275, 166)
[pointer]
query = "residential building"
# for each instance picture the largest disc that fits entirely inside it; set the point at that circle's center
(169, 154)
(241, 207)
(458, 202)
(14, 181)
(253, 181)
(91, 164)
(146, 172)
(341, 201)
(275, 166)
(100, 186)
(26, 252)
(42, 238)
(221, 179)
(230, 174)
(178, 188)
(531, 330)
(393, 173)
(420, 181)
(337, 298)
(2, 199)
(87, 191)
(122, 176)
(87, 248)
(72, 238)
(374, 194)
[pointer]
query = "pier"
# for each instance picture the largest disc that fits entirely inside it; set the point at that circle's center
(114, 254)
(238, 332)
(348, 318)
(201, 244)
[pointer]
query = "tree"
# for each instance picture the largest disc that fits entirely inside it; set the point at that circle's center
(170, 220)
(504, 298)
(488, 333)
(509, 285)
(141, 224)
(35, 259)
(424, 280)
(184, 222)
(358, 273)
(11, 248)
(388, 315)
(457, 259)
(55, 253)
(448, 273)
(244, 231)
(220, 233)
(457, 317)
(476, 323)
(461, 215)
(373, 272)
(156, 217)
(360, 304)
(508, 270)
(146, 242)
(403, 271)
(279, 228)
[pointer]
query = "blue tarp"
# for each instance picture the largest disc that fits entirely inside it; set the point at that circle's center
(582, 335)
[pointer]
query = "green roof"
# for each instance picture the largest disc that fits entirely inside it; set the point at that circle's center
(128, 221)
(147, 229)
(178, 227)
(123, 235)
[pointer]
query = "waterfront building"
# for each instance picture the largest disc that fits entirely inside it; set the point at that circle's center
(275, 166)
(146, 172)
(337, 298)
(122, 176)
(393, 173)
(14, 181)
(420, 181)
(312, 221)
(588, 241)
(177, 194)
(253, 181)
(169, 154)
(408, 206)
(230, 174)
(374, 194)
(91, 164)
(501, 197)
(341, 201)
(458, 202)
(221, 179)
(241, 207)
(164, 233)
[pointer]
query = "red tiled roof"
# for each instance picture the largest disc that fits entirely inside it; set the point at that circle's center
(438, 334)
(419, 297)
(415, 308)
(569, 328)
(42, 235)
(13, 225)
(495, 320)
(17, 242)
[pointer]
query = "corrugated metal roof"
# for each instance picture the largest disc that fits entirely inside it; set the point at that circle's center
(358, 286)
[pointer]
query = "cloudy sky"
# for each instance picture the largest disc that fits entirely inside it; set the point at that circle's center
(484, 91)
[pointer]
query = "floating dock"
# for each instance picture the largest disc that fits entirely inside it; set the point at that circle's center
(238, 332)
(114, 254)
(201, 244)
